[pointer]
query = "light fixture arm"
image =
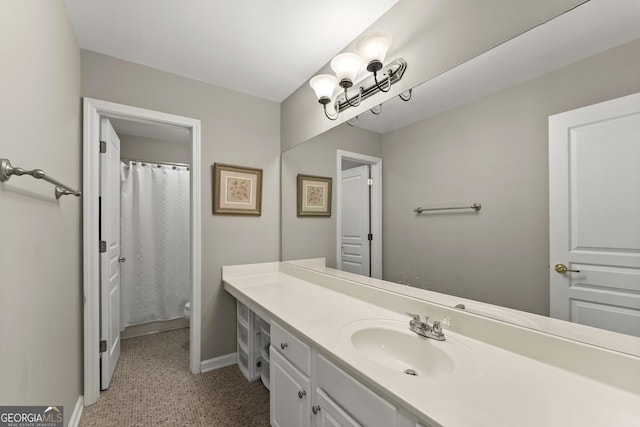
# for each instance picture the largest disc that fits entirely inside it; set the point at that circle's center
(353, 121)
(368, 87)
(326, 113)
(406, 96)
(388, 80)
(359, 97)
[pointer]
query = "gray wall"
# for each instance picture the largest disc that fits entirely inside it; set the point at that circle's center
(40, 254)
(423, 35)
(237, 129)
(313, 237)
(154, 150)
(493, 151)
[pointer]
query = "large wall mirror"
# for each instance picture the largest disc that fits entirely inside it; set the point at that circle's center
(475, 134)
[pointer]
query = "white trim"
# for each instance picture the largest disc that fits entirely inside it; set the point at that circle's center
(93, 110)
(74, 420)
(219, 362)
(376, 208)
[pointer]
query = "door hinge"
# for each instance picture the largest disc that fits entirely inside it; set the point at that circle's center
(370, 237)
(370, 182)
(103, 346)
(103, 147)
(102, 246)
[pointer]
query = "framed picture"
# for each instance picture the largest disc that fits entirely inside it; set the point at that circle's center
(314, 195)
(237, 190)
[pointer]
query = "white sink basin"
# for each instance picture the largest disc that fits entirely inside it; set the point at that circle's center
(391, 345)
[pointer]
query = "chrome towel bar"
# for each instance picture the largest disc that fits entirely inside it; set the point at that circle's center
(476, 207)
(6, 171)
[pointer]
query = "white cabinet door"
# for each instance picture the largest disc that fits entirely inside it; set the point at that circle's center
(594, 215)
(290, 394)
(327, 413)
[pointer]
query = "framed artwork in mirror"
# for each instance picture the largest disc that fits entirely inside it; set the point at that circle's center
(314, 195)
(237, 190)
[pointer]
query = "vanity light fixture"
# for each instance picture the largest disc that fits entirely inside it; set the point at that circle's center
(346, 66)
(324, 85)
(372, 49)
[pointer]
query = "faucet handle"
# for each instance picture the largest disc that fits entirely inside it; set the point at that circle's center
(415, 317)
(415, 320)
(437, 327)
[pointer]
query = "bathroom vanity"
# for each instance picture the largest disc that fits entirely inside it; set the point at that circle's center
(342, 354)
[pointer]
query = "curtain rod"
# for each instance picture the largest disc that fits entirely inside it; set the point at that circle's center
(186, 165)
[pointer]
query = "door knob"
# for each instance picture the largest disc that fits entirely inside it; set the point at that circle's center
(561, 268)
(121, 260)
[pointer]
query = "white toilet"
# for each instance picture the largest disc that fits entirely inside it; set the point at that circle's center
(187, 311)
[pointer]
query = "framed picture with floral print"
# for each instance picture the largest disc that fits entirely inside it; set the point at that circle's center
(314, 195)
(237, 190)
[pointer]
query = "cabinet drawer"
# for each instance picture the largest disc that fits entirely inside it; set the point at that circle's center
(366, 407)
(294, 350)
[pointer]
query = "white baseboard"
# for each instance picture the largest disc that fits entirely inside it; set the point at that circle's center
(74, 421)
(218, 362)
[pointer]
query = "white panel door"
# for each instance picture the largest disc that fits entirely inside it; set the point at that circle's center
(109, 260)
(594, 215)
(355, 217)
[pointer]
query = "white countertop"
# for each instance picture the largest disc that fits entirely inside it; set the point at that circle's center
(510, 390)
(574, 331)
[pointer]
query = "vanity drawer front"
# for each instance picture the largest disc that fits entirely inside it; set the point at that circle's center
(357, 400)
(294, 350)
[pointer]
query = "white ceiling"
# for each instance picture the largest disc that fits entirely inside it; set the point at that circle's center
(263, 48)
(584, 31)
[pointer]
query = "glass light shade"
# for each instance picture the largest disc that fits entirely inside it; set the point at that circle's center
(346, 66)
(374, 46)
(323, 85)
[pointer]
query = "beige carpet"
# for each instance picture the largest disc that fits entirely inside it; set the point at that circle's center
(152, 386)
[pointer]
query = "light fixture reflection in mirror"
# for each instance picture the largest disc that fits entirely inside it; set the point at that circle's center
(479, 132)
(353, 121)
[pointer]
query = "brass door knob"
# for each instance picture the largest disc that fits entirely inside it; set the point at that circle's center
(561, 268)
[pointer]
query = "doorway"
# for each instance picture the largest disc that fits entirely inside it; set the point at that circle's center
(359, 213)
(94, 110)
(594, 215)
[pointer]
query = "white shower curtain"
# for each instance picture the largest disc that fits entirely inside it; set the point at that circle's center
(155, 278)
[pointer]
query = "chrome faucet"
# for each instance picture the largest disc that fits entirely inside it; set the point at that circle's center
(433, 331)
